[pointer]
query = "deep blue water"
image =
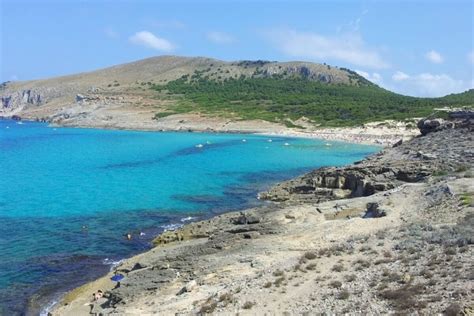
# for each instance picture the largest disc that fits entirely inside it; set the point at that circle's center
(68, 196)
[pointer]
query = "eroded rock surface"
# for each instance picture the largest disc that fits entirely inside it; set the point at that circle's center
(442, 149)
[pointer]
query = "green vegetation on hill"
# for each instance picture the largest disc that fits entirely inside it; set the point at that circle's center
(281, 99)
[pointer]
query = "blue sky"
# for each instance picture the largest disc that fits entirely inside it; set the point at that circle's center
(421, 48)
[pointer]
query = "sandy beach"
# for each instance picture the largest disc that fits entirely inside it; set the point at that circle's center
(385, 133)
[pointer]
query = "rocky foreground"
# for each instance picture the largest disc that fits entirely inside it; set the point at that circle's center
(390, 234)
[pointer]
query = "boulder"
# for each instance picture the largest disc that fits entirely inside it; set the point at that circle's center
(374, 211)
(244, 219)
(427, 126)
(398, 143)
(80, 97)
(189, 287)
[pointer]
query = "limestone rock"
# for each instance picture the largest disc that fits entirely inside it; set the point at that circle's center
(374, 211)
(244, 218)
(80, 97)
(189, 287)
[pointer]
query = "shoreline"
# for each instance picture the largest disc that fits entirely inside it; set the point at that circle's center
(355, 135)
(234, 261)
(385, 133)
(328, 134)
(175, 225)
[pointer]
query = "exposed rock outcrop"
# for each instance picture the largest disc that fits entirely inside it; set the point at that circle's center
(407, 162)
(19, 98)
(461, 118)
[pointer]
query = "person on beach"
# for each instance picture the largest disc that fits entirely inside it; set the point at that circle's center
(98, 295)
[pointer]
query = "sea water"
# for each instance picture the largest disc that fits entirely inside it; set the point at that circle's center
(68, 195)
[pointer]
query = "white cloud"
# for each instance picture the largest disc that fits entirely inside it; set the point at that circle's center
(428, 85)
(150, 40)
(373, 77)
(220, 37)
(470, 57)
(400, 76)
(348, 48)
(111, 33)
(353, 25)
(434, 57)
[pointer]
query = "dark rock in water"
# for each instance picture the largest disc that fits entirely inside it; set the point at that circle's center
(16, 118)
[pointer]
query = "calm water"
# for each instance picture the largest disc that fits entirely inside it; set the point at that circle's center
(55, 181)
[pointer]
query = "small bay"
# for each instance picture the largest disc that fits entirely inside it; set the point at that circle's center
(68, 195)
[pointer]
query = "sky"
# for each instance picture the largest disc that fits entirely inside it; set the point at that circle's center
(418, 48)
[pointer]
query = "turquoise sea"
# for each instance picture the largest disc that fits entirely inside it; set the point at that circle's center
(68, 195)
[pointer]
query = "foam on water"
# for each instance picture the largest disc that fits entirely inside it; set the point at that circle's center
(69, 195)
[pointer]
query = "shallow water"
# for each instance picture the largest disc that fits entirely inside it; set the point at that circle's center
(68, 196)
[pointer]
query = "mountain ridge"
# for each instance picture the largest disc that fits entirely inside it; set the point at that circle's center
(146, 91)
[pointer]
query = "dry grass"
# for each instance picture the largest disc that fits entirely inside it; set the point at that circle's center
(335, 284)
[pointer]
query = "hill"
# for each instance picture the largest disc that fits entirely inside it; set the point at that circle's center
(151, 92)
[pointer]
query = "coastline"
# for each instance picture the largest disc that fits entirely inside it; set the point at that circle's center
(385, 133)
(276, 132)
(234, 261)
(367, 135)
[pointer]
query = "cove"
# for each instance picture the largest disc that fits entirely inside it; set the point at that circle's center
(68, 195)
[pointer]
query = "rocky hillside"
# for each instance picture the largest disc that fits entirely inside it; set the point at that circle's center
(155, 93)
(126, 79)
(446, 146)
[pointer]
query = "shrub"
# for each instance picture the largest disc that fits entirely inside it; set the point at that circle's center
(208, 307)
(337, 268)
(343, 295)
(404, 298)
(450, 251)
(311, 266)
(462, 168)
(350, 277)
(362, 264)
(466, 199)
(279, 281)
(225, 297)
(335, 284)
(327, 104)
(310, 255)
(453, 310)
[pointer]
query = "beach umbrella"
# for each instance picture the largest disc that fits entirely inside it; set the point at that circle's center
(117, 277)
